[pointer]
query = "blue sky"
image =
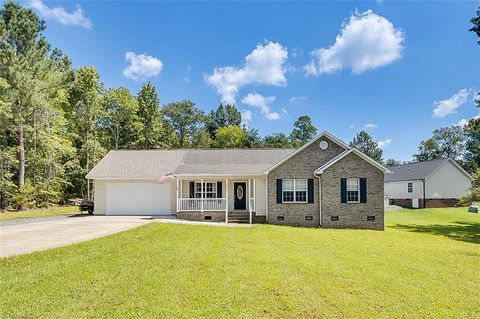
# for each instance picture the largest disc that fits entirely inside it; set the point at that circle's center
(381, 65)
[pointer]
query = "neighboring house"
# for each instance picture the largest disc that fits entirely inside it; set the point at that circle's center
(324, 183)
(437, 183)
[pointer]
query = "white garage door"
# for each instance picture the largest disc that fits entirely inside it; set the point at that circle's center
(138, 199)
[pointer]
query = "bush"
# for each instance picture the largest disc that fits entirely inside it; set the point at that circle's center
(469, 199)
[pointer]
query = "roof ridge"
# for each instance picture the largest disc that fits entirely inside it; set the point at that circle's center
(203, 149)
(418, 162)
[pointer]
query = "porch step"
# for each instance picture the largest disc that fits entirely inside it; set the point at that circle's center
(238, 217)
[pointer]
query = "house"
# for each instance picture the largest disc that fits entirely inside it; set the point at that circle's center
(323, 183)
(437, 183)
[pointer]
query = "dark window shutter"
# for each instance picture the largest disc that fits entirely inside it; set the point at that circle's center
(343, 190)
(219, 189)
(310, 190)
(192, 189)
(279, 191)
(363, 190)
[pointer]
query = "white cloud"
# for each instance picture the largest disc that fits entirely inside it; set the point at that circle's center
(297, 99)
(141, 66)
(366, 42)
(76, 17)
(385, 143)
(464, 122)
(370, 125)
(246, 117)
(450, 105)
(264, 65)
(263, 103)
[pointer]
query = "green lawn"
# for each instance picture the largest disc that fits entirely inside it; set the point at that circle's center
(40, 212)
(425, 264)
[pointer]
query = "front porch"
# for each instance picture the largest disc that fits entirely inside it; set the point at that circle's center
(214, 199)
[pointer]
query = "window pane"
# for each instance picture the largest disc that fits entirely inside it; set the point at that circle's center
(287, 184)
(301, 196)
(352, 196)
(300, 185)
(288, 196)
(352, 184)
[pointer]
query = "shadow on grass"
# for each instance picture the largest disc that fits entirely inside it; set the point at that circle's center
(462, 231)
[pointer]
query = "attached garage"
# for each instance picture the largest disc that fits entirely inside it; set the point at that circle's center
(138, 199)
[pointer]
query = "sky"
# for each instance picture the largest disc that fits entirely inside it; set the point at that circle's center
(398, 70)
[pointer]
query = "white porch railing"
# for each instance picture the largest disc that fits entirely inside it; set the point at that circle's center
(201, 204)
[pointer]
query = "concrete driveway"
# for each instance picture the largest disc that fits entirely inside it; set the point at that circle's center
(29, 235)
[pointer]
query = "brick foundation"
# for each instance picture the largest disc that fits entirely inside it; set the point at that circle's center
(440, 202)
(200, 217)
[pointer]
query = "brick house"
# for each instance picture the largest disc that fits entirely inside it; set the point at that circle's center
(324, 183)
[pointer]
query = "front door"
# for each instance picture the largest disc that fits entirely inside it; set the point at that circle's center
(240, 195)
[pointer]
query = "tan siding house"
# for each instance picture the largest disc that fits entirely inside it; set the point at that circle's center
(324, 183)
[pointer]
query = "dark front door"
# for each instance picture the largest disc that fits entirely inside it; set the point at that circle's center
(240, 196)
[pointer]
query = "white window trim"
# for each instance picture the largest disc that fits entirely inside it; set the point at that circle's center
(295, 190)
(358, 183)
(214, 183)
(409, 187)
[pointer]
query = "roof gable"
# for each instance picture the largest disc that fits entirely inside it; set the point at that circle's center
(316, 138)
(355, 151)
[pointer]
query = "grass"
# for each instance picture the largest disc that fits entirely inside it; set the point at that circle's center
(425, 264)
(39, 212)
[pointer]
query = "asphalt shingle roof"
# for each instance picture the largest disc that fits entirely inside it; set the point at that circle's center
(413, 171)
(157, 163)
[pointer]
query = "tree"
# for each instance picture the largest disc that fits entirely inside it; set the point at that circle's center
(392, 162)
(365, 143)
(224, 115)
(84, 112)
(185, 118)
(34, 75)
(231, 136)
(476, 29)
(121, 120)
(202, 139)
(253, 137)
(476, 24)
(303, 131)
(428, 150)
(446, 142)
(450, 141)
(472, 145)
(276, 140)
(156, 133)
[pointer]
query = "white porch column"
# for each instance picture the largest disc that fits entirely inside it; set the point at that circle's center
(254, 197)
(177, 198)
(249, 201)
(226, 200)
(203, 188)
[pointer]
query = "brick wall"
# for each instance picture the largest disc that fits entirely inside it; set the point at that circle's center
(352, 215)
(301, 165)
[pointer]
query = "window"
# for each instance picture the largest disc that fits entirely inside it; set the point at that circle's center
(294, 191)
(410, 187)
(353, 190)
(210, 189)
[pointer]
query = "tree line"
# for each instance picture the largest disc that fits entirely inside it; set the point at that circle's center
(57, 122)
